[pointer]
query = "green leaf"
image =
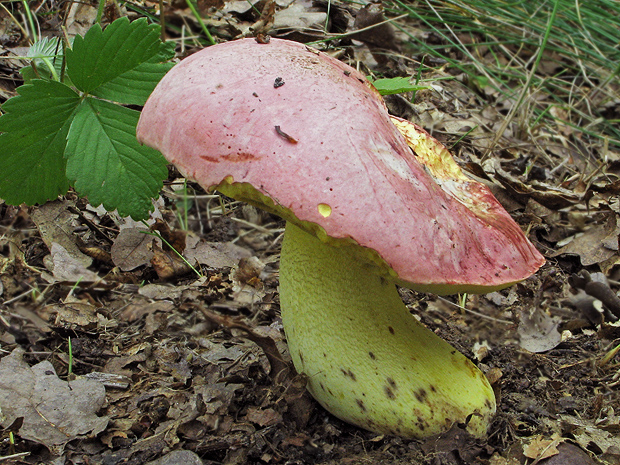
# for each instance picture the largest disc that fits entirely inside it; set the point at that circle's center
(34, 130)
(53, 136)
(106, 163)
(397, 85)
(46, 57)
(135, 86)
(110, 63)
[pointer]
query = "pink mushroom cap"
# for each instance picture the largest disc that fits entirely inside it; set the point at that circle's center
(303, 135)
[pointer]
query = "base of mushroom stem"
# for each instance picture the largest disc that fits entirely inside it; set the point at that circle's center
(367, 359)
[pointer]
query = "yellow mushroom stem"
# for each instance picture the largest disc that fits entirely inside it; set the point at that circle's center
(367, 359)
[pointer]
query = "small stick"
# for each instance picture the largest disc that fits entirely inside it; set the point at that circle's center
(281, 133)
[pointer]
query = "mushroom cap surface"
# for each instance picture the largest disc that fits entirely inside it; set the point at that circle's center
(305, 136)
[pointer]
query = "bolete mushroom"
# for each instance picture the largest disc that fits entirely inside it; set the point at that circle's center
(295, 132)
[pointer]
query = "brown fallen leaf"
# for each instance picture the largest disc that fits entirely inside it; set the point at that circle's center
(552, 197)
(263, 417)
(569, 454)
(538, 332)
(75, 315)
(597, 244)
(172, 238)
(302, 19)
(267, 344)
(54, 411)
(381, 35)
(67, 267)
(178, 457)
(214, 254)
(168, 264)
(248, 288)
(454, 446)
(265, 22)
(56, 224)
(540, 448)
(131, 248)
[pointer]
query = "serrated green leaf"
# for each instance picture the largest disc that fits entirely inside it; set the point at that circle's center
(397, 85)
(101, 57)
(135, 86)
(34, 130)
(107, 164)
(46, 56)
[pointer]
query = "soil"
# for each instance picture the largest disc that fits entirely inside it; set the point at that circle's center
(195, 363)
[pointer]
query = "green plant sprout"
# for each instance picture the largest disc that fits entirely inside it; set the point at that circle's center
(46, 57)
(463, 299)
(397, 85)
(70, 124)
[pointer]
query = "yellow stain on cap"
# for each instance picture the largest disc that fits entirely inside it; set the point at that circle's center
(325, 210)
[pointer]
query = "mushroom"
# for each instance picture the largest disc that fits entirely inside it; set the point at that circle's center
(371, 202)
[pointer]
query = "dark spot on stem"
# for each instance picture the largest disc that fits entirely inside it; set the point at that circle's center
(361, 405)
(391, 330)
(421, 395)
(389, 393)
(348, 373)
(421, 423)
(372, 356)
